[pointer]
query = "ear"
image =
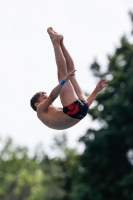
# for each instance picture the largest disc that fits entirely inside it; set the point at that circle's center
(36, 104)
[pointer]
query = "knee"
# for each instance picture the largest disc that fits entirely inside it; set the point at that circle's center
(61, 75)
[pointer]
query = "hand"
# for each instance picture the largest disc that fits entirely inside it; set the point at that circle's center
(68, 76)
(102, 84)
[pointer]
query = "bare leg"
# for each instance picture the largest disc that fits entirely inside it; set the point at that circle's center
(70, 67)
(67, 94)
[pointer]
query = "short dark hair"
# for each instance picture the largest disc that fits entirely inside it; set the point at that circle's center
(35, 99)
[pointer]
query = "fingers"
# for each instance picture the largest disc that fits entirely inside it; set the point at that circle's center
(103, 82)
(68, 76)
(72, 72)
(103, 86)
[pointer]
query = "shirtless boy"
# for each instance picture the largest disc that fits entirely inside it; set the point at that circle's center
(74, 102)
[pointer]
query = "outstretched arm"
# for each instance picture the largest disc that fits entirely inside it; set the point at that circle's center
(102, 84)
(56, 91)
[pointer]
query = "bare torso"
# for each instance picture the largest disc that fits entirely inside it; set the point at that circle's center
(55, 118)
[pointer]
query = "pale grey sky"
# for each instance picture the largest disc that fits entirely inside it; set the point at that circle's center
(92, 29)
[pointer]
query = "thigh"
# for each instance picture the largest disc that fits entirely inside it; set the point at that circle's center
(68, 94)
(79, 92)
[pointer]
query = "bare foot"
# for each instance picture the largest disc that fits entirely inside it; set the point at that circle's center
(59, 35)
(53, 35)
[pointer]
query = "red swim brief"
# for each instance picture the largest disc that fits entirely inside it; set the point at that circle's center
(77, 109)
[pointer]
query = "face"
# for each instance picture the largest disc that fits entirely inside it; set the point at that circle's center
(43, 96)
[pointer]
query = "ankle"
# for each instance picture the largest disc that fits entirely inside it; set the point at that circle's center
(55, 41)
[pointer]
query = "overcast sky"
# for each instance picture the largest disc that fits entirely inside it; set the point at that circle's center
(92, 29)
